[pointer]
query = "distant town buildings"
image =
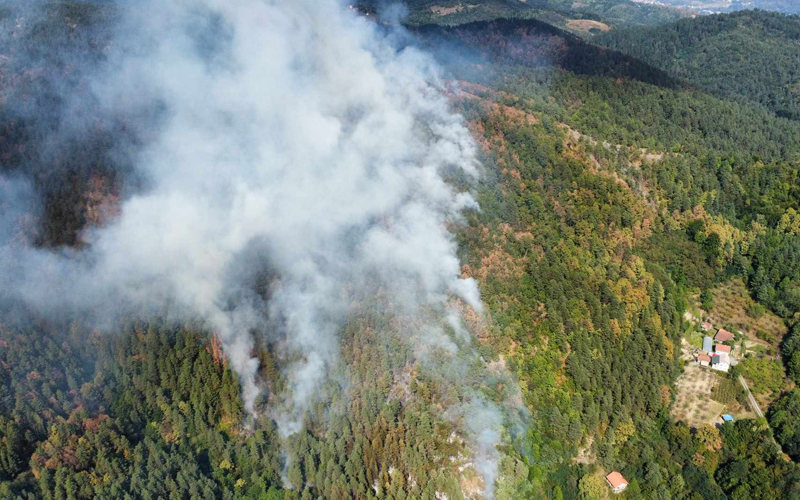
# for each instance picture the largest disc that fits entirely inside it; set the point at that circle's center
(616, 482)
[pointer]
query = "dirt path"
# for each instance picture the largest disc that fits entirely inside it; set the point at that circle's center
(753, 402)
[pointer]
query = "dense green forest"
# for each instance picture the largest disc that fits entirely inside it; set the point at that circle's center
(612, 194)
(751, 54)
(620, 12)
(536, 44)
(696, 186)
(627, 239)
(126, 418)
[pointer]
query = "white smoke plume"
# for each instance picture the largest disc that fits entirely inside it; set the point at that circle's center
(289, 128)
(292, 135)
(485, 424)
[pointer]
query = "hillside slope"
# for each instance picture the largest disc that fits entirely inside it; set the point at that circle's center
(533, 43)
(749, 54)
(619, 12)
(615, 12)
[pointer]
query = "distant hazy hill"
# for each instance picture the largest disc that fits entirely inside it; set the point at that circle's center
(786, 6)
(615, 11)
(612, 12)
(753, 54)
(532, 43)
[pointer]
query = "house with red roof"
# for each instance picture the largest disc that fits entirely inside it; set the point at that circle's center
(723, 335)
(616, 482)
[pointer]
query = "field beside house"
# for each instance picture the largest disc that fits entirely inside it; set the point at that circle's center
(693, 403)
(734, 306)
(699, 391)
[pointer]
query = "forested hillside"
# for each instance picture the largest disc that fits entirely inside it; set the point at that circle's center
(695, 186)
(535, 44)
(607, 13)
(750, 54)
(620, 215)
(618, 12)
(614, 196)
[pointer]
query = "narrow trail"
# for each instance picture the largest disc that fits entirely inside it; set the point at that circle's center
(753, 402)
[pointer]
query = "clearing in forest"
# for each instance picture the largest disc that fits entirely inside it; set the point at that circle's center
(734, 306)
(587, 25)
(444, 11)
(701, 390)
(693, 403)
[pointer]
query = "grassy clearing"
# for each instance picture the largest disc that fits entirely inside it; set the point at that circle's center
(587, 26)
(734, 306)
(693, 403)
(702, 394)
(695, 337)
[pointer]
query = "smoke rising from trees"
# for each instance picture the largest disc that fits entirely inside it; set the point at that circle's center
(287, 143)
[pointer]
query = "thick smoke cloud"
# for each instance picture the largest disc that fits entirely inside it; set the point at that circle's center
(293, 144)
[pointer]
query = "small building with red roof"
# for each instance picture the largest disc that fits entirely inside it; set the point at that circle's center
(616, 482)
(723, 335)
(704, 359)
(722, 348)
